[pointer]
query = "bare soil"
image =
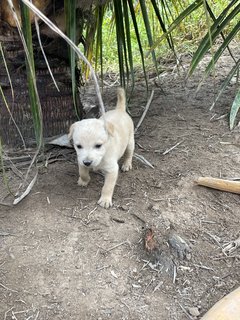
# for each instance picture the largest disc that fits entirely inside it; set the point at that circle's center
(64, 257)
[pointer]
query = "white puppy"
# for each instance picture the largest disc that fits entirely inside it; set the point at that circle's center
(100, 143)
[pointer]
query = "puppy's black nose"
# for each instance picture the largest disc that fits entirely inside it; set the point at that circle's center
(87, 163)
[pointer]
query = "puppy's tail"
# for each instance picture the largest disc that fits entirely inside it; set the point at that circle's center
(121, 100)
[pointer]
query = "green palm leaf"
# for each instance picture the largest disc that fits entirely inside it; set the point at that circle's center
(70, 18)
(137, 33)
(196, 4)
(234, 110)
(99, 38)
(230, 75)
(148, 31)
(128, 39)
(162, 24)
(31, 77)
(216, 29)
(120, 40)
(221, 49)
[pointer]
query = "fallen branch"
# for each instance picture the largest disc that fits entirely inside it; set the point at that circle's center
(226, 308)
(219, 184)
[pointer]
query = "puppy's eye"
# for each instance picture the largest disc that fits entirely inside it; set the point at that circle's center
(98, 146)
(79, 146)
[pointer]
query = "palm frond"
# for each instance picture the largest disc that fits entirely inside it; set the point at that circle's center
(234, 109)
(99, 38)
(70, 18)
(162, 24)
(195, 5)
(210, 11)
(227, 80)
(148, 31)
(121, 46)
(216, 29)
(128, 40)
(222, 48)
(137, 33)
(31, 77)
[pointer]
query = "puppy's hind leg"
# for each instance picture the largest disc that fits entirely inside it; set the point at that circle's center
(127, 164)
(84, 176)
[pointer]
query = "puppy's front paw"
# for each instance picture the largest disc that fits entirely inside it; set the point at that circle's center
(105, 202)
(126, 166)
(83, 183)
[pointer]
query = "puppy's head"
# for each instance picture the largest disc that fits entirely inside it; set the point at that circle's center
(90, 139)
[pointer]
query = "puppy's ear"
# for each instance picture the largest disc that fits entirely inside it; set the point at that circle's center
(71, 131)
(109, 127)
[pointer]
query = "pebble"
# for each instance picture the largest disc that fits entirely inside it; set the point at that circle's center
(193, 311)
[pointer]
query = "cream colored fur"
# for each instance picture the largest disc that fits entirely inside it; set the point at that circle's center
(100, 143)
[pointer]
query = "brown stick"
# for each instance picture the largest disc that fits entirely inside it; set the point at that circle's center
(219, 184)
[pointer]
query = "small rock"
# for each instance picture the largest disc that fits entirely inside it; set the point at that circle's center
(136, 285)
(193, 311)
(156, 207)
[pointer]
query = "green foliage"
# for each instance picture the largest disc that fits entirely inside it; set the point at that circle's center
(30, 67)
(215, 30)
(234, 109)
(70, 18)
(157, 26)
(181, 23)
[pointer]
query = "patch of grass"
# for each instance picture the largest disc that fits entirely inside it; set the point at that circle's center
(186, 36)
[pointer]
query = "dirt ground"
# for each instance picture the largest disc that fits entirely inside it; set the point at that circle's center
(64, 257)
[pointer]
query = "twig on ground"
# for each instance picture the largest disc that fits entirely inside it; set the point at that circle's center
(209, 222)
(174, 274)
(185, 311)
(26, 192)
(2, 285)
(36, 315)
(170, 149)
(118, 220)
(6, 312)
(231, 246)
(146, 263)
(150, 282)
(22, 311)
(218, 118)
(13, 316)
(89, 214)
(203, 267)
(143, 160)
(139, 218)
(4, 233)
(214, 238)
(117, 245)
(158, 286)
(102, 268)
(225, 257)
(144, 112)
(125, 305)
